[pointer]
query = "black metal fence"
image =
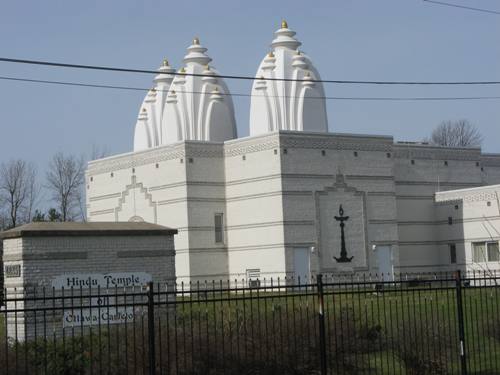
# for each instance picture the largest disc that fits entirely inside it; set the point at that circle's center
(438, 324)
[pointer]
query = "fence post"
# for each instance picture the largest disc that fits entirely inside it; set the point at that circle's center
(461, 329)
(151, 329)
(321, 317)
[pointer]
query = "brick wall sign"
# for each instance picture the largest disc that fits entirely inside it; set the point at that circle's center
(99, 310)
(101, 280)
(84, 270)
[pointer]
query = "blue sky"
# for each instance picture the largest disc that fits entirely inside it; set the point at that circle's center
(347, 40)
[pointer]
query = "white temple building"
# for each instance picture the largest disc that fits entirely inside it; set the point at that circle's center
(265, 205)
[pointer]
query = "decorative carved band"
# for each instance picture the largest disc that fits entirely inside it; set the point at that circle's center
(432, 152)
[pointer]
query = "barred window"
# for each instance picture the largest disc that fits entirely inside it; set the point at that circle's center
(219, 228)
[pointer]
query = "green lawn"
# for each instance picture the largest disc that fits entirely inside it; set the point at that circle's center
(390, 332)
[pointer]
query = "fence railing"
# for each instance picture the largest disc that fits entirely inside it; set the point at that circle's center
(441, 324)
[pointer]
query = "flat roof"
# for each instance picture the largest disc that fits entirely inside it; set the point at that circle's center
(98, 228)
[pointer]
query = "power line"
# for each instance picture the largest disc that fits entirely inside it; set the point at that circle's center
(240, 77)
(462, 7)
(131, 88)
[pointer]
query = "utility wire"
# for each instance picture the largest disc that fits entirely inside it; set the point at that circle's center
(240, 77)
(131, 88)
(462, 6)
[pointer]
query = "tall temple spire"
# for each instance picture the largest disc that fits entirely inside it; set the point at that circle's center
(297, 104)
(199, 107)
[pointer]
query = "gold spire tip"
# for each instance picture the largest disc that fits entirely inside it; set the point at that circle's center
(284, 24)
(196, 41)
(165, 62)
(182, 70)
(270, 54)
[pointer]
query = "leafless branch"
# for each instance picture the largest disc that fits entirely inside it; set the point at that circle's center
(459, 133)
(65, 178)
(18, 191)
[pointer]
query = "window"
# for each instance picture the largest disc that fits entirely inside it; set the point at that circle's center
(323, 152)
(450, 220)
(219, 228)
(453, 253)
(412, 162)
(479, 252)
(485, 252)
(493, 255)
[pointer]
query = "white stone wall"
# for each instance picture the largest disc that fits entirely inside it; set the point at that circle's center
(279, 192)
(255, 235)
(475, 217)
(321, 172)
(421, 171)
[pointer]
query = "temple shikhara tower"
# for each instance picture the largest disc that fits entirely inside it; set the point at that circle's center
(265, 205)
(295, 103)
(191, 105)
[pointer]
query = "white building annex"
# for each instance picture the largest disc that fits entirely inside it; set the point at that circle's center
(265, 205)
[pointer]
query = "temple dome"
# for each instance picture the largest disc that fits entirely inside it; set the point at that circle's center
(185, 106)
(198, 107)
(148, 131)
(287, 105)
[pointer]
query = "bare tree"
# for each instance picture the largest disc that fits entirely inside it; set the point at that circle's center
(18, 191)
(65, 178)
(459, 133)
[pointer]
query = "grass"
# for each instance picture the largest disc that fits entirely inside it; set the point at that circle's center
(389, 332)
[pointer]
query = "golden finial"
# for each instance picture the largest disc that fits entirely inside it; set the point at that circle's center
(182, 70)
(165, 62)
(196, 41)
(173, 92)
(207, 67)
(261, 77)
(144, 110)
(216, 89)
(297, 52)
(270, 54)
(284, 25)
